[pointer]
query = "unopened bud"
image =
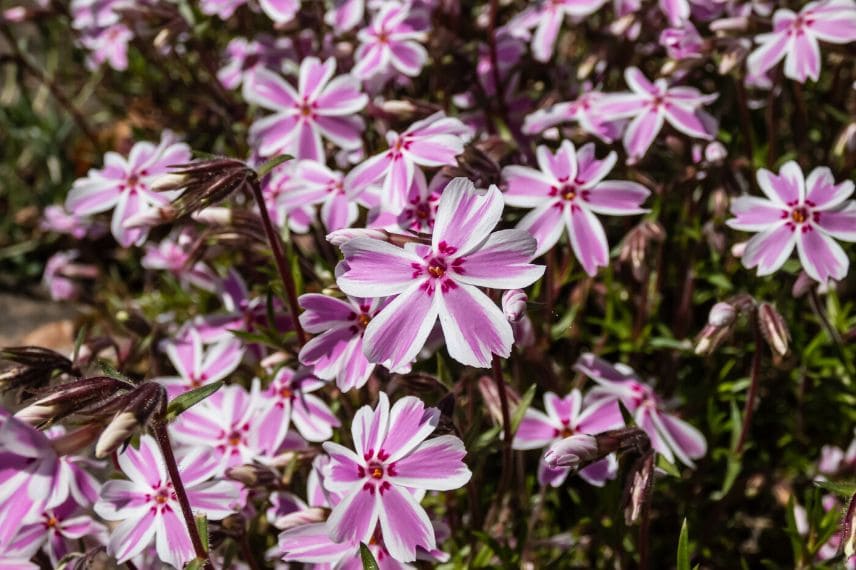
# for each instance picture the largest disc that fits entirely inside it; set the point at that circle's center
(722, 314)
(252, 475)
(774, 328)
(215, 216)
(150, 218)
(300, 518)
(146, 401)
(715, 152)
(65, 399)
(575, 452)
(490, 394)
(802, 285)
(514, 304)
(340, 237)
(75, 441)
(638, 490)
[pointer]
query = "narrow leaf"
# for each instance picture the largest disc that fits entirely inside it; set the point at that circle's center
(181, 403)
(202, 527)
(369, 562)
(684, 548)
(844, 489)
(269, 165)
(521, 408)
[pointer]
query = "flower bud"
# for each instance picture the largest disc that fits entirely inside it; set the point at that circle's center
(340, 237)
(514, 304)
(638, 490)
(147, 400)
(802, 285)
(150, 218)
(715, 152)
(252, 475)
(65, 399)
(722, 314)
(214, 216)
(34, 367)
(773, 328)
(490, 394)
(300, 518)
(575, 452)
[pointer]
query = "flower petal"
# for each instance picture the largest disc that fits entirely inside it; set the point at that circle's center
(616, 198)
(404, 524)
(474, 327)
(376, 268)
(588, 239)
(544, 223)
(821, 256)
(501, 263)
(465, 217)
(526, 187)
(755, 214)
(409, 424)
(769, 249)
(356, 515)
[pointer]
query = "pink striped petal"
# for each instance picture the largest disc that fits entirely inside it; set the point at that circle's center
(551, 476)
(599, 417)
(267, 89)
(355, 517)
(821, 256)
(565, 410)
(344, 132)
(473, 326)
(641, 132)
(544, 223)
(436, 150)
(840, 224)
(599, 472)
(823, 193)
(92, 195)
(544, 40)
(640, 84)
(465, 217)
(311, 544)
(773, 48)
(314, 76)
(502, 262)
(617, 198)
(526, 187)
(588, 239)
(409, 424)
(173, 541)
(312, 418)
(144, 466)
(769, 249)
(755, 214)
(321, 312)
(408, 57)
(788, 188)
(132, 536)
(369, 428)
(342, 96)
(687, 121)
(803, 60)
(404, 524)
(376, 268)
(343, 470)
(536, 430)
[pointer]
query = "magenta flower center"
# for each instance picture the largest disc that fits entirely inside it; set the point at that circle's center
(437, 268)
(799, 215)
(423, 211)
(235, 438)
(363, 320)
(569, 192)
(285, 393)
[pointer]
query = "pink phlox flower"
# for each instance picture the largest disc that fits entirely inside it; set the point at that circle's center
(73, 473)
(313, 183)
(652, 104)
(566, 193)
(93, 14)
(442, 280)
(433, 141)
(287, 401)
(683, 42)
(670, 436)
(299, 217)
(197, 365)
(344, 15)
(108, 45)
(227, 425)
(57, 531)
(223, 9)
(423, 199)
(29, 476)
(340, 325)
(564, 418)
(243, 57)
(795, 38)
(125, 185)
(393, 457)
(390, 42)
(147, 509)
(583, 110)
(807, 213)
(321, 105)
(62, 274)
(172, 254)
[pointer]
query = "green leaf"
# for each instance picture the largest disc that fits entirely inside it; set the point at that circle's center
(670, 468)
(272, 163)
(78, 342)
(109, 370)
(369, 562)
(486, 438)
(202, 528)
(844, 489)
(684, 548)
(521, 408)
(195, 564)
(181, 403)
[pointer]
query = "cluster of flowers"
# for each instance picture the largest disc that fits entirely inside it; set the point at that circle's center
(423, 271)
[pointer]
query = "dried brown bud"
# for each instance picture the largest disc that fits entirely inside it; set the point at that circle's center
(774, 328)
(205, 183)
(638, 491)
(487, 387)
(33, 367)
(634, 248)
(71, 397)
(253, 475)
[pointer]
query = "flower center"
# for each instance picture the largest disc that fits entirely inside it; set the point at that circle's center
(285, 393)
(234, 439)
(423, 210)
(799, 215)
(376, 471)
(133, 180)
(383, 37)
(363, 320)
(305, 109)
(567, 432)
(569, 192)
(437, 268)
(52, 521)
(162, 497)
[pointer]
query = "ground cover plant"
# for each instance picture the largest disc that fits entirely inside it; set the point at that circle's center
(429, 283)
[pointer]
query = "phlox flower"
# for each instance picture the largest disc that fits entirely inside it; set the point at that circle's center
(390, 42)
(146, 506)
(550, 16)
(433, 141)
(583, 110)
(566, 193)
(423, 199)
(652, 104)
(54, 530)
(337, 350)
(670, 436)
(226, 425)
(125, 185)
(442, 280)
(564, 418)
(313, 183)
(108, 45)
(807, 213)
(243, 57)
(676, 11)
(321, 105)
(288, 400)
(393, 458)
(72, 473)
(173, 254)
(795, 38)
(61, 273)
(280, 11)
(196, 365)
(344, 15)
(274, 191)
(56, 219)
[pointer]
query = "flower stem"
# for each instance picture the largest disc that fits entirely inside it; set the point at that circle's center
(162, 436)
(506, 425)
(248, 552)
(279, 258)
(754, 376)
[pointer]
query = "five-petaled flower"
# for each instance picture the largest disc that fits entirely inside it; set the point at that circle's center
(806, 213)
(337, 351)
(393, 460)
(390, 42)
(566, 417)
(443, 279)
(147, 508)
(197, 365)
(126, 185)
(650, 104)
(670, 436)
(795, 38)
(566, 193)
(322, 105)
